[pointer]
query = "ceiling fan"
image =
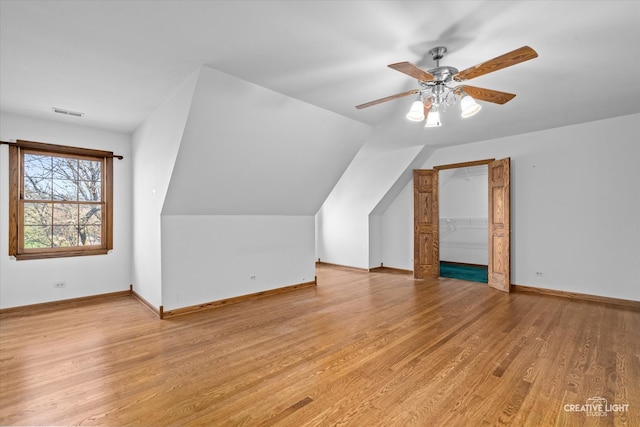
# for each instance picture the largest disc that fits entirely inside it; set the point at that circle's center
(437, 90)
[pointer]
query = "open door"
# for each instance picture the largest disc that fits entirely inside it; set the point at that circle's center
(426, 255)
(499, 225)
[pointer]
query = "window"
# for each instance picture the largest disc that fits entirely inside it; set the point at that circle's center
(60, 201)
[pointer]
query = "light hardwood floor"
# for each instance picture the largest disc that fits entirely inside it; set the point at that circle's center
(360, 349)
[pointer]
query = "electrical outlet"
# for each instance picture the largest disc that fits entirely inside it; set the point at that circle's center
(252, 277)
(539, 273)
(58, 285)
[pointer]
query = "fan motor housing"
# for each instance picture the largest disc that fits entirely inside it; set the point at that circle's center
(443, 74)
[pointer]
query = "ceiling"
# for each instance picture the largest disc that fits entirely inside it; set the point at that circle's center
(116, 61)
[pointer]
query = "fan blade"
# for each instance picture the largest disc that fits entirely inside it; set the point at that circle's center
(413, 71)
(488, 95)
(388, 98)
(517, 56)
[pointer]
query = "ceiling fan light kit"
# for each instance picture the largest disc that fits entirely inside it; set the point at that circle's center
(416, 113)
(433, 119)
(438, 92)
(469, 106)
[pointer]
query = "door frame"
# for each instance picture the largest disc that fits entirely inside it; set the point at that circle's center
(436, 243)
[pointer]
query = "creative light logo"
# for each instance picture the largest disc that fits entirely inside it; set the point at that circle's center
(596, 407)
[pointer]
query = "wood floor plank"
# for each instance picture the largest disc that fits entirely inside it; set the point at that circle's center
(374, 349)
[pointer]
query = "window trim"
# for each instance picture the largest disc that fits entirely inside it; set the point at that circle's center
(16, 236)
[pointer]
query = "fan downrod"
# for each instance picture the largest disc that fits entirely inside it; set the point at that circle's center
(442, 74)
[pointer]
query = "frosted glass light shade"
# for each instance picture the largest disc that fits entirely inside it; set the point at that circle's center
(469, 106)
(433, 119)
(416, 113)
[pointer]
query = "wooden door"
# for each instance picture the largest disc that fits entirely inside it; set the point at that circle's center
(426, 255)
(499, 225)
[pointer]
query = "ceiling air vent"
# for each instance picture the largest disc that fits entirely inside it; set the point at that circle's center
(67, 112)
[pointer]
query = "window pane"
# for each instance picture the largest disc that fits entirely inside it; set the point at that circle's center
(90, 180)
(37, 188)
(90, 191)
(91, 235)
(89, 170)
(37, 166)
(64, 189)
(37, 214)
(36, 236)
(65, 168)
(90, 214)
(65, 214)
(65, 236)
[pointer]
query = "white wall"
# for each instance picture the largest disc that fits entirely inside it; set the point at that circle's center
(575, 203)
(344, 235)
(397, 231)
(213, 257)
(375, 240)
(155, 147)
(464, 194)
(31, 281)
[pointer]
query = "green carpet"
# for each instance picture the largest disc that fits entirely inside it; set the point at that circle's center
(464, 272)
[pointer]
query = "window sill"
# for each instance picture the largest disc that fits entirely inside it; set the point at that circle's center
(60, 254)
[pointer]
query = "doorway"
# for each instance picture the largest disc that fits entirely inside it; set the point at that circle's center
(427, 222)
(463, 222)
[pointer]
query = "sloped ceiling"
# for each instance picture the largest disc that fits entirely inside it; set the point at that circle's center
(116, 61)
(247, 150)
